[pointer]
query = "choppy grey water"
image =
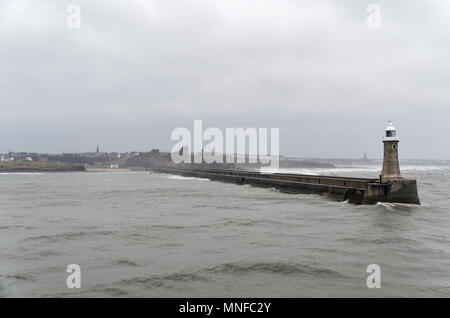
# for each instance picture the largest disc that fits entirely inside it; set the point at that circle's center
(138, 234)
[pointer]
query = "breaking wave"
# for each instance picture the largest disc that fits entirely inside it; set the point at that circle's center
(351, 169)
(397, 206)
(186, 178)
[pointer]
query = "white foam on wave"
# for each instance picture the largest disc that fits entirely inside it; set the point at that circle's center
(186, 178)
(376, 170)
(321, 171)
(391, 206)
(424, 168)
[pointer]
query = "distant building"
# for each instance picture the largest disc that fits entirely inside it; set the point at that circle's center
(98, 149)
(28, 159)
(114, 166)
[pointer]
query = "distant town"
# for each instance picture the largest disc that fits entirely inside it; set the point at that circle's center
(89, 158)
(98, 160)
(135, 160)
(31, 161)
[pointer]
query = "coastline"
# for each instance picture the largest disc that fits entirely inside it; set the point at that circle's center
(18, 167)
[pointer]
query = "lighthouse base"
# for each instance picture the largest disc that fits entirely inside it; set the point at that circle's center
(394, 191)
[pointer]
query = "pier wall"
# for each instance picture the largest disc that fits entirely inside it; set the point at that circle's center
(355, 190)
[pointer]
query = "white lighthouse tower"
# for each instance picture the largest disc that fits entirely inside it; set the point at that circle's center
(391, 167)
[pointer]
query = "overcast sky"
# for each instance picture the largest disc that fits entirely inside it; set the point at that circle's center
(136, 70)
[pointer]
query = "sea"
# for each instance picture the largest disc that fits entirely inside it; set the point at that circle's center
(137, 234)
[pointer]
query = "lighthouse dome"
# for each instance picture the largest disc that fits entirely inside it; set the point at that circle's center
(391, 133)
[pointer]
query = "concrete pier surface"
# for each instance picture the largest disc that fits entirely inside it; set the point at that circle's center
(355, 190)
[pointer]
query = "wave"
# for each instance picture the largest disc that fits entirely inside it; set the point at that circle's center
(397, 206)
(381, 240)
(161, 280)
(101, 289)
(161, 226)
(243, 221)
(273, 267)
(292, 170)
(67, 236)
(346, 169)
(47, 253)
(114, 292)
(423, 168)
(21, 173)
(322, 171)
(124, 262)
(166, 280)
(186, 178)
(18, 276)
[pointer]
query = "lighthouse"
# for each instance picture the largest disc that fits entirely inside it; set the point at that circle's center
(391, 167)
